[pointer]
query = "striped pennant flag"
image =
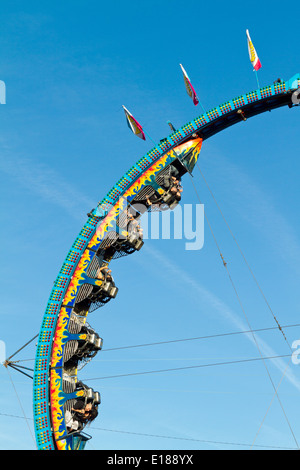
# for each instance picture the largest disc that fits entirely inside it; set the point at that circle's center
(252, 53)
(189, 87)
(133, 125)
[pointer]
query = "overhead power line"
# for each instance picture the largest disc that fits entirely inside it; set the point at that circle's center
(225, 264)
(244, 257)
(204, 441)
(196, 338)
(199, 366)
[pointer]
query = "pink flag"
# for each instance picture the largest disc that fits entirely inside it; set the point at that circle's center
(252, 53)
(134, 125)
(189, 87)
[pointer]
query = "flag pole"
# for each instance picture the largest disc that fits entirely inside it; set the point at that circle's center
(149, 136)
(201, 105)
(253, 57)
(256, 75)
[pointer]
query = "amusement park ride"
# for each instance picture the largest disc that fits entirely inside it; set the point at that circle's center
(84, 283)
(65, 340)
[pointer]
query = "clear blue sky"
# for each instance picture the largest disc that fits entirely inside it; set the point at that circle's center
(68, 68)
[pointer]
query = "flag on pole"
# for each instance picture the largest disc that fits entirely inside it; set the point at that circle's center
(189, 87)
(133, 125)
(252, 53)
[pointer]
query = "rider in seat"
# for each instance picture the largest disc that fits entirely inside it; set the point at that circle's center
(134, 227)
(104, 273)
(80, 415)
(84, 410)
(172, 185)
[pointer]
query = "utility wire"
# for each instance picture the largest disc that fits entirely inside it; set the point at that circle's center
(204, 441)
(24, 346)
(169, 437)
(246, 318)
(243, 255)
(180, 340)
(196, 338)
(199, 366)
(25, 417)
(261, 424)
(257, 284)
